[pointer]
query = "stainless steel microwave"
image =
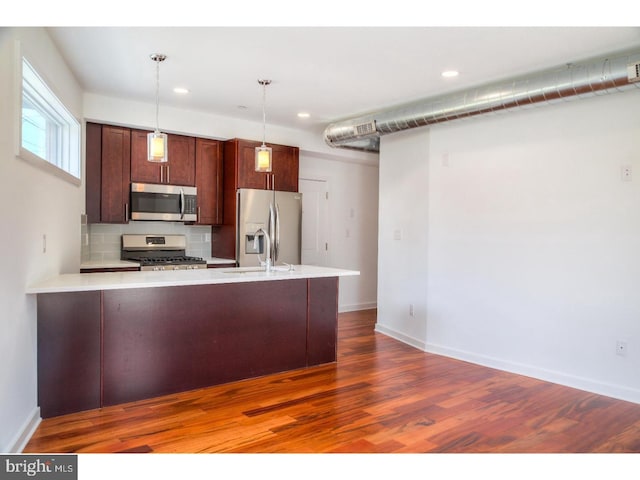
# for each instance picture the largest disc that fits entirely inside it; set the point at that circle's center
(173, 203)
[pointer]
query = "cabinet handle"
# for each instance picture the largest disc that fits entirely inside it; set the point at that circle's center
(168, 178)
(126, 212)
(198, 218)
(273, 181)
(161, 173)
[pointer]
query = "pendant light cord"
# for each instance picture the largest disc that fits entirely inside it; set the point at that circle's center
(264, 84)
(158, 57)
(157, 95)
(264, 112)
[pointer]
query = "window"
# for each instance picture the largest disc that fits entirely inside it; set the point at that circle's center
(48, 131)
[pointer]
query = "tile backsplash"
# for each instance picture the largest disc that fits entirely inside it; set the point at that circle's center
(102, 242)
(84, 239)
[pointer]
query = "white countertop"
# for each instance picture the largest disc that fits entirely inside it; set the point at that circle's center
(83, 282)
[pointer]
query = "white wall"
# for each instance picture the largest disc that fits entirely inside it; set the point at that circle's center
(402, 241)
(353, 206)
(32, 203)
(532, 262)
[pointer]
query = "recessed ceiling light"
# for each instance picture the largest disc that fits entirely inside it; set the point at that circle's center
(181, 90)
(304, 115)
(450, 73)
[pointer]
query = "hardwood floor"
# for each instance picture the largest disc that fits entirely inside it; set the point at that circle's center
(381, 396)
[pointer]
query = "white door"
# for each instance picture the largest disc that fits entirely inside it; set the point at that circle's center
(315, 222)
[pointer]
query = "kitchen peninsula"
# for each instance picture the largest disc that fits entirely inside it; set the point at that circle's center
(115, 337)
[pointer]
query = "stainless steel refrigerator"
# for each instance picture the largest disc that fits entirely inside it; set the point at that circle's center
(277, 213)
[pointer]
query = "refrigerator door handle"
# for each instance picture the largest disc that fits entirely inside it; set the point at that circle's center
(272, 232)
(277, 242)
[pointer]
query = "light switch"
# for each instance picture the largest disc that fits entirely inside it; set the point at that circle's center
(397, 234)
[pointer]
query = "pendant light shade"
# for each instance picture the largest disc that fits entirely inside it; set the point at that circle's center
(157, 147)
(264, 154)
(157, 141)
(263, 158)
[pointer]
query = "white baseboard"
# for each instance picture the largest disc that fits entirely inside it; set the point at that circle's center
(581, 383)
(23, 436)
(389, 332)
(357, 307)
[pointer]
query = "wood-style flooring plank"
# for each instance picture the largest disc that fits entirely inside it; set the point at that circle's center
(381, 396)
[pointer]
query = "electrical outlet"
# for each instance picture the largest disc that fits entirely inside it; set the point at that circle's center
(411, 310)
(626, 173)
(44, 243)
(621, 348)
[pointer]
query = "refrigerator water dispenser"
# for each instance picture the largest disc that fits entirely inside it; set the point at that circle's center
(249, 244)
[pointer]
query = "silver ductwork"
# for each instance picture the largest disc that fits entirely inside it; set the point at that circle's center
(615, 72)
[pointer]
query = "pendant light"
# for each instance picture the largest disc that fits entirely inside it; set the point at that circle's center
(263, 153)
(156, 141)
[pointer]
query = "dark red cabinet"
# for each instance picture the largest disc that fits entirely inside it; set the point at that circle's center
(179, 170)
(68, 352)
(107, 347)
(166, 340)
(209, 176)
(285, 166)
(117, 156)
(108, 161)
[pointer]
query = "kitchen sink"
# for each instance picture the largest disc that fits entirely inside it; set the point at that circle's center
(245, 270)
(278, 269)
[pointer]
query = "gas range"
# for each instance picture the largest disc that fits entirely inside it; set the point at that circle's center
(159, 252)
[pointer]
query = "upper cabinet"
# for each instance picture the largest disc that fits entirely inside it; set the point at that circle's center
(179, 170)
(117, 156)
(285, 165)
(209, 181)
(108, 153)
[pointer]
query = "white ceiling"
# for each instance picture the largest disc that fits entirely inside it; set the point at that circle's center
(330, 72)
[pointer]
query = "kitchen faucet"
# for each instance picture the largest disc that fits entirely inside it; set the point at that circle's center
(267, 260)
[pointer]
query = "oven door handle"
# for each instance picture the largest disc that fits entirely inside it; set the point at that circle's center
(181, 204)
